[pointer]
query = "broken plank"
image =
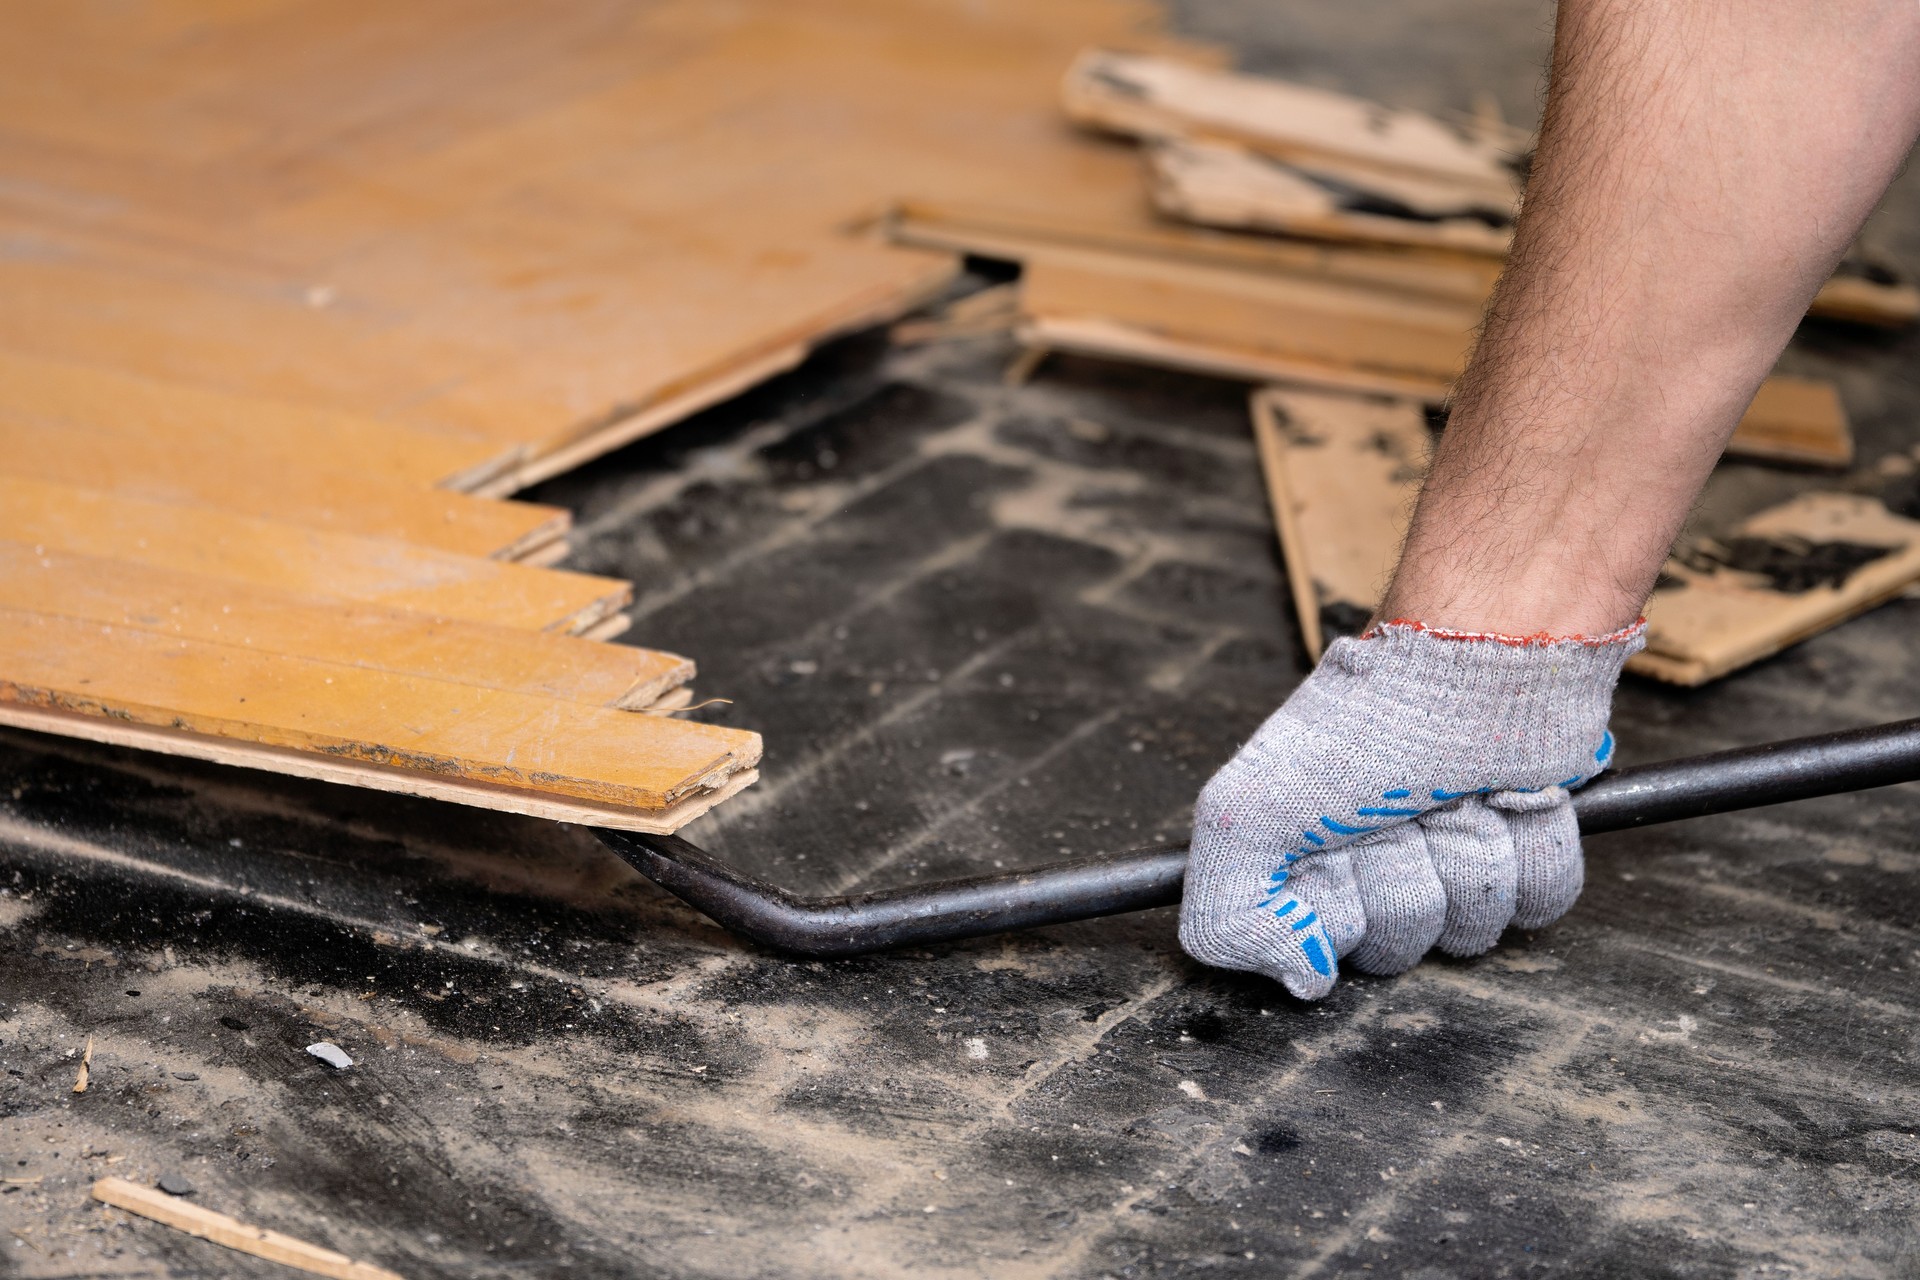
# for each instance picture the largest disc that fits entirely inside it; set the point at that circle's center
(233, 1233)
(506, 740)
(324, 492)
(1781, 576)
(310, 562)
(1342, 473)
(118, 595)
(1158, 97)
(1221, 185)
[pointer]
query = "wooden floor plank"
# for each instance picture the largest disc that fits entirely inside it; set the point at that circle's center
(325, 492)
(491, 736)
(268, 553)
(118, 594)
(1342, 336)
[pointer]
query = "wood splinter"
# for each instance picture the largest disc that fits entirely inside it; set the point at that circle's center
(231, 1232)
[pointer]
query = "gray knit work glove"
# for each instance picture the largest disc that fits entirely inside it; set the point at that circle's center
(1411, 792)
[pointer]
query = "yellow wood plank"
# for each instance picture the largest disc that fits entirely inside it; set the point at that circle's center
(120, 595)
(280, 434)
(232, 753)
(492, 736)
(311, 562)
(1266, 315)
(1332, 335)
(325, 492)
(1796, 420)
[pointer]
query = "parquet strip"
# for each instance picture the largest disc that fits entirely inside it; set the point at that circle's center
(119, 595)
(459, 731)
(282, 435)
(310, 562)
(1271, 327)
(322, 493)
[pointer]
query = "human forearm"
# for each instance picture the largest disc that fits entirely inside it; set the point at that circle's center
(1701, 167)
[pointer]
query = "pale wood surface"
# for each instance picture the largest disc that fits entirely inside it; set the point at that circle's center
(196, 1220)
(1222, 185)
(1342, 472)
(1163, 97)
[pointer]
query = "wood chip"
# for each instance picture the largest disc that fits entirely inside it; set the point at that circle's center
(231, 1232)
(86, 1065)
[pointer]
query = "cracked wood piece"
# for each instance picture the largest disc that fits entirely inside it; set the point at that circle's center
(325, 491)
(508, 741)
(1161, 97)
(1222, 185)
(1342, 472)
(308, 562)
(1784, 575)
(122, 596)
(204, 1223)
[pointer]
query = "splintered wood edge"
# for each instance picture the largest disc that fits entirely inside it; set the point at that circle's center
(623, 427)
(1293, 547)
(234, 1234)
(378, 777)
(1095, 337)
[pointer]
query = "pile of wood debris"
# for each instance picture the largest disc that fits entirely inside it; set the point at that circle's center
(1339, 252)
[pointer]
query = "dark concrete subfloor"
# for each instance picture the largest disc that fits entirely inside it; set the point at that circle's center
(980, 626)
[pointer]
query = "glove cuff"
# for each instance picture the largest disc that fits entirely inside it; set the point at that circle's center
(1525, 710)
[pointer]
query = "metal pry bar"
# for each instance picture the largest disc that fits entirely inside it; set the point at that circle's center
(1746, 778)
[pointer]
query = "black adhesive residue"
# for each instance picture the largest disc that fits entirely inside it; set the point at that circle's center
(1789, 565)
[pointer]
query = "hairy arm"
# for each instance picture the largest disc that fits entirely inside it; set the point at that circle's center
(1702, 166)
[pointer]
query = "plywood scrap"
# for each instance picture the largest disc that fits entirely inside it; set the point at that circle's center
(1342, 472)
(1254, 153)
(1225, 185)
(118, 595)
(1787, 573)
(1164, 98)
(268, 553)
(183, 1215)
(498, 737)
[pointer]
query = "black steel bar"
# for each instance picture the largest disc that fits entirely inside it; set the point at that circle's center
(1798, 769)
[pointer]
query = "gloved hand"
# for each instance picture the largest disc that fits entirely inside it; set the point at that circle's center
(1411, 792)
